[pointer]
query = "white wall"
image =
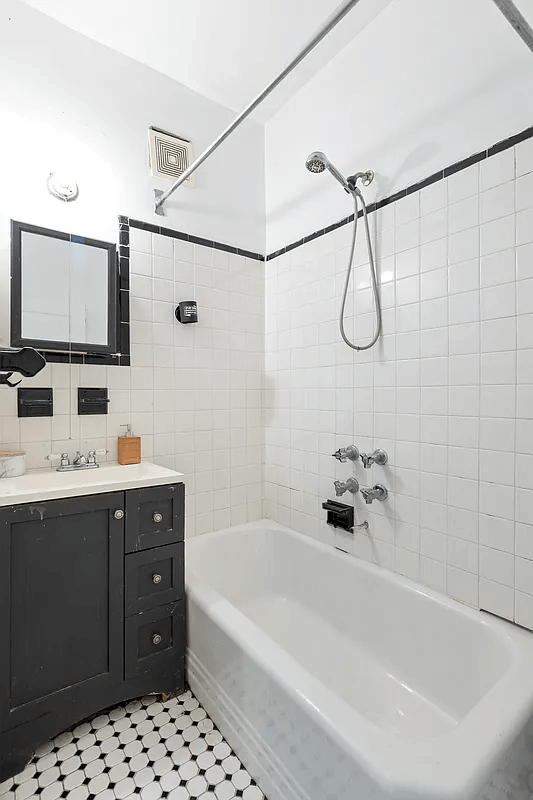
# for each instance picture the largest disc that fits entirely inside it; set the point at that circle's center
(70, 102)
(447, 391)
(424, 85)
(207, 51)
(193, 393)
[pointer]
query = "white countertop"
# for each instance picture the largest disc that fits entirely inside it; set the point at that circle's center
(39, 485)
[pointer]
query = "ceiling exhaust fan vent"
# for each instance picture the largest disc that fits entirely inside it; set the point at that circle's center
(169, 155)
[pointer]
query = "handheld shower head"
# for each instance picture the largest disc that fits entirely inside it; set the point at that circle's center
(318, 162)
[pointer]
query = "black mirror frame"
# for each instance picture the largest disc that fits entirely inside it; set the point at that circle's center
(17, 340)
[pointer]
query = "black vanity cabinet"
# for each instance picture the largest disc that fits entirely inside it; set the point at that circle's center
(91, 610)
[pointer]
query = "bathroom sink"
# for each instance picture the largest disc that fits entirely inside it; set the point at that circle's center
(39, 485)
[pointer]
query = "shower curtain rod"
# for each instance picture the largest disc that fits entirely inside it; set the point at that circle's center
(507, 8)
(333, 20)
(517, 20)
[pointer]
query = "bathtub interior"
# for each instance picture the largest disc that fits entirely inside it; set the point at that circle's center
(408, 662)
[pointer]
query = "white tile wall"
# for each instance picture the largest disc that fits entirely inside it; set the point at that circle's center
(193, 392)
(448, 391)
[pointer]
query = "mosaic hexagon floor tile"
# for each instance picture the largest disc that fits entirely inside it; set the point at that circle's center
(146, 748)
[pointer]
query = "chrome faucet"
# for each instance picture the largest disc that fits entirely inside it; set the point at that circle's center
(351, 485)
(78, 462)
(377, 457)
(344, 453)
(377, 492)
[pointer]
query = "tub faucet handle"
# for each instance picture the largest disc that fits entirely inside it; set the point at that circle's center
(351, 485)
(379, 456)
(377, 492)
(344, 453)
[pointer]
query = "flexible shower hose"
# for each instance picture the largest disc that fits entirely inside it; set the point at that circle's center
(356, 193)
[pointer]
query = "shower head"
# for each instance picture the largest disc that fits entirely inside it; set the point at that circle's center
(318, 162)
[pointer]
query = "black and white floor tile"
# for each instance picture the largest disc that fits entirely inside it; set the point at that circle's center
(146, 748)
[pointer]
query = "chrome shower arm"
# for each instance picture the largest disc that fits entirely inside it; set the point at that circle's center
(333, 20)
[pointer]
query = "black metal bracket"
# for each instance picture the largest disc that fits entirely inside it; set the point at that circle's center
(340, 515)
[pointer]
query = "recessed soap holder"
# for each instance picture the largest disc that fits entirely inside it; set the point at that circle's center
(92, 401)
(340, 515)
(35, 402)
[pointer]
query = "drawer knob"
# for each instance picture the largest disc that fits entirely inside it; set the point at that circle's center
(119, 514)
(157, 517)
(156, 578)
(156, 638)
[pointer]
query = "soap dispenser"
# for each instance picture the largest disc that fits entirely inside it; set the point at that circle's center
(129, 447)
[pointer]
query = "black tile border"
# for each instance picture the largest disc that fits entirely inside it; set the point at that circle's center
(189, 237)
(505, 144)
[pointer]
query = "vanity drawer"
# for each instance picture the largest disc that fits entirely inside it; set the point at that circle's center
(155, 640)
(154, 516)
(154, 577)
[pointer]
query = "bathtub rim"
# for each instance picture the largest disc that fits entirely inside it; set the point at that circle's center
(436, 766)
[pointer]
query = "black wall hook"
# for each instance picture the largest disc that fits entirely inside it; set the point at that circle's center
(4, 379)
(27, 362)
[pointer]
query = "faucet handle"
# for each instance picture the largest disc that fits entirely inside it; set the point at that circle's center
(344, 453)
(379, 456)
(91, 456)
(351, 485)
(377, 492)
(59, 456)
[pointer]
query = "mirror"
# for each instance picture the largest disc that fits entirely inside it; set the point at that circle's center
(63, 291)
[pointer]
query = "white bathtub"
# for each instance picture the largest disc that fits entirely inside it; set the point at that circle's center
(336, 680)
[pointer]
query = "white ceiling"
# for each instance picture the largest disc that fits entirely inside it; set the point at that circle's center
(227, 50)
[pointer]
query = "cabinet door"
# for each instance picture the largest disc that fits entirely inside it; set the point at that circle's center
(61, 603)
